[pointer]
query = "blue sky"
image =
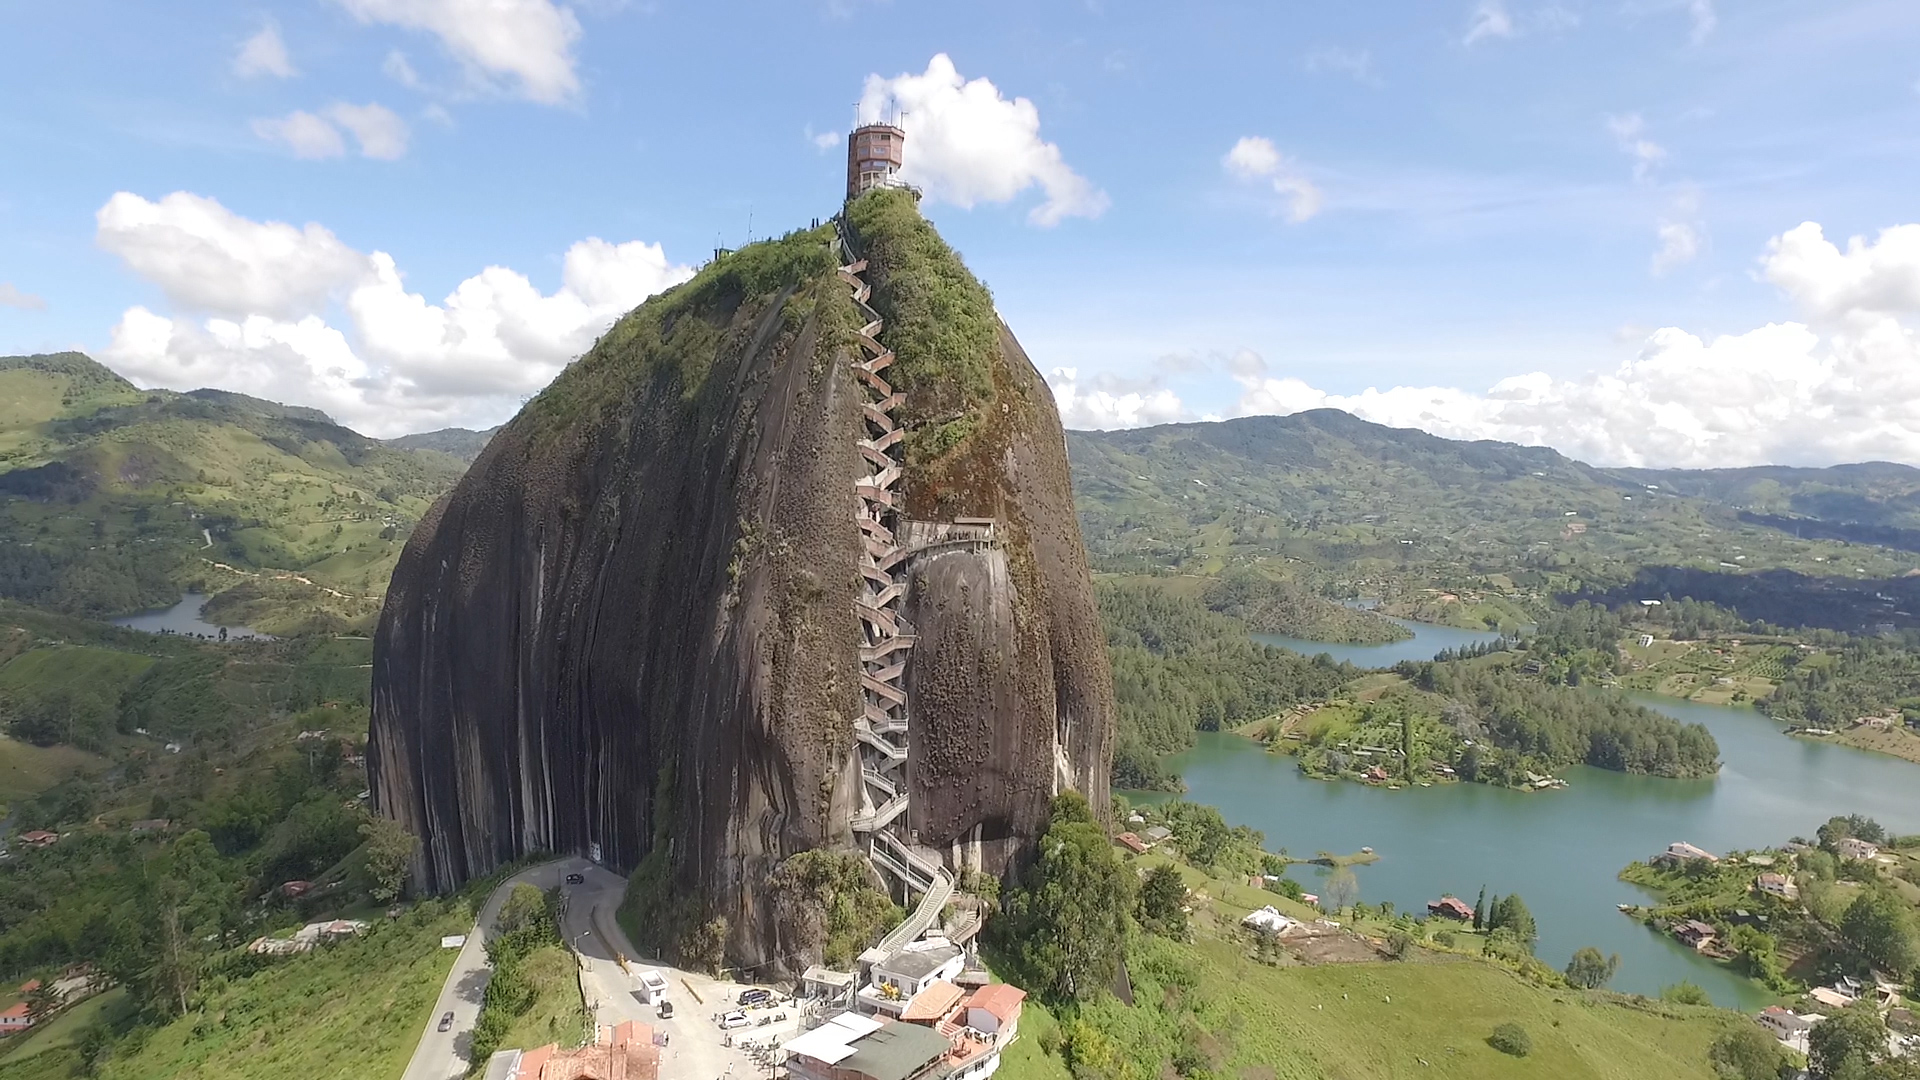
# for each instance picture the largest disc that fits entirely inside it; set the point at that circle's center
(1184, 211)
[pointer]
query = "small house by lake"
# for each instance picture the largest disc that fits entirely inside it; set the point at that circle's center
(1779, 885)
(1695, 934)
(1451, 907)
(1680, 853)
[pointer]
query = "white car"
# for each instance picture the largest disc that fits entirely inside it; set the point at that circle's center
(733, 1020)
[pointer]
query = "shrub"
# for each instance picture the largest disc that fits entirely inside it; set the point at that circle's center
(1685, 993)
(1511, 1039)
(1589, 970)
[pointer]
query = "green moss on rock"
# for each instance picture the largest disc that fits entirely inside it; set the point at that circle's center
(677, 333)
(940, 322)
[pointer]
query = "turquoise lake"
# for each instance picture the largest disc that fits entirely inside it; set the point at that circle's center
(1560, 850)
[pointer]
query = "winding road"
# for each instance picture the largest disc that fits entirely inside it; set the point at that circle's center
(696, 1048)
(441, 1055)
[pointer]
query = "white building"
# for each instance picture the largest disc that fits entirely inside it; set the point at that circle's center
(1268, 920)
(902, 976)
(1786, 1026)
(651, 987)
(1852, 847)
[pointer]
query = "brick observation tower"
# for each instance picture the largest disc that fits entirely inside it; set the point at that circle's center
(874, 156)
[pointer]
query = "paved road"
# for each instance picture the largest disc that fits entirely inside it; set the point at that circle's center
(696, 1047)
(441, 1055)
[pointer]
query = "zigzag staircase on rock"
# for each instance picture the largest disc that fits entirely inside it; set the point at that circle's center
(887, 640)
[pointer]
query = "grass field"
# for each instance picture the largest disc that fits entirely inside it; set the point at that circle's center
(351, 1010)
(558, 1014)
(1427, 1016)
(27, 770)
(1025, 1060)
(1897, 742)
(63, 1030)
(107, 670)
(1376, 1021)
(1417, 1019)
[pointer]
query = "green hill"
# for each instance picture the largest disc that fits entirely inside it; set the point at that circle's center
(1473, 533)
(462, 443)
(112, 499)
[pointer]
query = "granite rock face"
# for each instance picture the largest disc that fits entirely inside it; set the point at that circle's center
(629, 631)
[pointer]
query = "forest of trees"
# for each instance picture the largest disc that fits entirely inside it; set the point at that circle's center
(1179, 667)
(1559, 726)
(1284, 607)
(1868, 675)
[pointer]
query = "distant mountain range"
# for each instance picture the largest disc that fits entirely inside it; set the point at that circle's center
(98, 479)
(114, 498)
(463, 443)
(1332, 499)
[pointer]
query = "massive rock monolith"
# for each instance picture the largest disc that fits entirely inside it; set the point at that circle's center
(630, 631)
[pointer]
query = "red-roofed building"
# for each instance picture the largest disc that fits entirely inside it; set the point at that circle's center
(1451, 907)
(994, 1011)
(30, 986)
(622, 1052)
(39, 838)
(532, 1061)
(295, 889)
(1132, 843)
(16, 1018)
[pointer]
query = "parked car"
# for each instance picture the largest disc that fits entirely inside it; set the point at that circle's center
(446, 1022)
(576, 879)
(734, 1020)
(755, 996)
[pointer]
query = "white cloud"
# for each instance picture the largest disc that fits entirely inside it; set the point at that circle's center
(1679, 244)
(1782, 393)
(264, 54)
(11, 297)
(380, 133)
(1490, 19)
(397, 362)
(967, 144)
(1494, 19)
(822, 141)
(1629, 132)
(1704, 19)
(398, 68)
(1843, 386)
(1868, 280)
(307, 135)
(528, 42)
(207, 258)
(1357, 65)
(1255, 158)
(1109, 401)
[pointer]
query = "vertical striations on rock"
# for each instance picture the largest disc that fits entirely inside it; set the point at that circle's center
(630, 631)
